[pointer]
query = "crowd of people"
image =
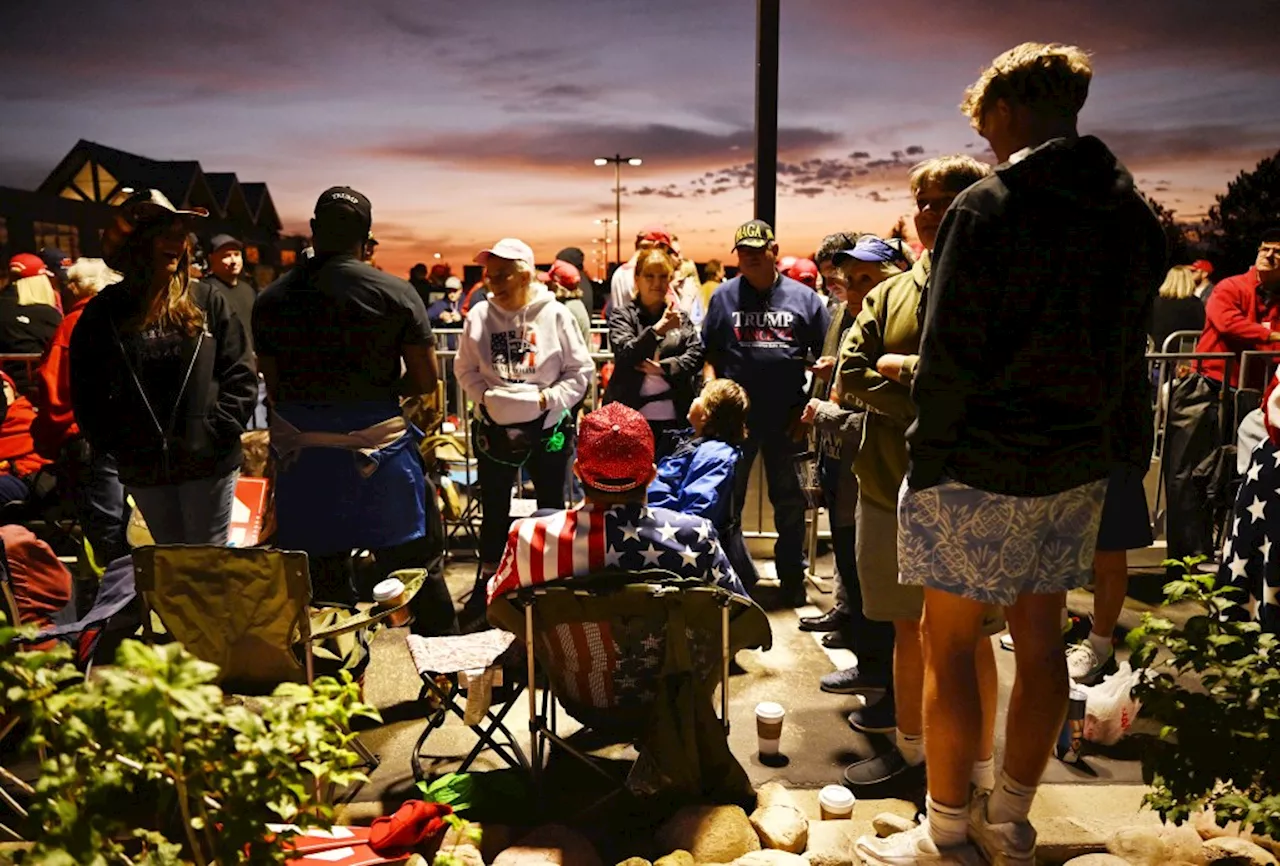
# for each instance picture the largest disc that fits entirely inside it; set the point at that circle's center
(979, 401)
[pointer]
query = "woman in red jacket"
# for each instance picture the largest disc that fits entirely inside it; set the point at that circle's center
(93, 479)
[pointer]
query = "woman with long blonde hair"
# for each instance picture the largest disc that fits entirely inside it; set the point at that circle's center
(29, 315)
(162, 376)
(1177, 308)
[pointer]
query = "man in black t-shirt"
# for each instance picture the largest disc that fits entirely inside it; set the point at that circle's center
(331, 337)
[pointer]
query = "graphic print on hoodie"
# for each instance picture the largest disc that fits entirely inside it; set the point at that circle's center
(514, 354)
(768, 329)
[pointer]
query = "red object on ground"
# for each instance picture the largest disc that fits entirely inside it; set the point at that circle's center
(412, 825)
(41, 583)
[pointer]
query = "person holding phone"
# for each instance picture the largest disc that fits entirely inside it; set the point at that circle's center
(657, 350)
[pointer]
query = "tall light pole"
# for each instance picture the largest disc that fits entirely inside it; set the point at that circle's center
(768, 14)
(618, 159)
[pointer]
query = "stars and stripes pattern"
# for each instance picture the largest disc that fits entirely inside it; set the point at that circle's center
(1248, 561)
(591, 539)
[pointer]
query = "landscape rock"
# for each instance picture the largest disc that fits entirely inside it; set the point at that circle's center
(1097, 860)
(1237, 852)
(1182, 844)
(1140, 846)
(712, 834)
(552, 845)
(771, 857)
(773, 794)
(1208, 827)
(676, 858)
(831, 843)
(887, 823)
(782, 827)
(465, 855)
(635, 861)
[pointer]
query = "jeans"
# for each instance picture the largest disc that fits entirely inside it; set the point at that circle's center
(193, 512)
(547, 471)
(99, 501)
(786, 497)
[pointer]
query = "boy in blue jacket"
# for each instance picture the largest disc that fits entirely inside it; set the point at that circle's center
(698, 477)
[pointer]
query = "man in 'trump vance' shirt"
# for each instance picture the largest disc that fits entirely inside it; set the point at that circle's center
(760, 330)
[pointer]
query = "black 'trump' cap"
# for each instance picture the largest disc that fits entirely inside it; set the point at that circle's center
(344, 202)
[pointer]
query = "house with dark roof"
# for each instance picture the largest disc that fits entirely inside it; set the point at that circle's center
(74, 204)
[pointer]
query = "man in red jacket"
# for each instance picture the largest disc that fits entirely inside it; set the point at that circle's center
(1243, 313)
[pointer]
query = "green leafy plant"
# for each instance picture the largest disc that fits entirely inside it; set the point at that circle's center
(148, 764)
(464, 833)
(1213, 686)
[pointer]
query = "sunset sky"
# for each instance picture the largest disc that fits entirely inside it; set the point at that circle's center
(464, 122)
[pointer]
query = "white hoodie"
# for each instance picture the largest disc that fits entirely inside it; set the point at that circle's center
(506, 359)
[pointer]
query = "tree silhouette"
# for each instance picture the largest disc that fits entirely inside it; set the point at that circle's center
(1174, 234)
(1250, 205)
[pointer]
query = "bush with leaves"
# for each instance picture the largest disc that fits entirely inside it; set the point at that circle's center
(147, 763)
(1213, 686)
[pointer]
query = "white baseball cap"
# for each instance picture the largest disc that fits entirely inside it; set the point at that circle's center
(513, 249)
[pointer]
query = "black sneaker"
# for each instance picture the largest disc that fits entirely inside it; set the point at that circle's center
(887, 776)
(793, 595)
(835, 619)
(852, 681)
(877, 718)
(837, 640)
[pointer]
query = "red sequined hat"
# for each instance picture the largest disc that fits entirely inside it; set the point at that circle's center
(615, 449)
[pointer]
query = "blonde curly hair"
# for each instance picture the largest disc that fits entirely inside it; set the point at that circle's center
(1049, 78)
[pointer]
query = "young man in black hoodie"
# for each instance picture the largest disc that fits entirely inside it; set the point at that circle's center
(1030, 386)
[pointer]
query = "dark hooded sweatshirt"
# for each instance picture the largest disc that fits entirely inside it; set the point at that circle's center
(1032, 378)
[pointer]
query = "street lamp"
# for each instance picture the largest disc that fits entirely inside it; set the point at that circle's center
(617, 160)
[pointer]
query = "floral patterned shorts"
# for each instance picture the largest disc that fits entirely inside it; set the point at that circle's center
(992, 548)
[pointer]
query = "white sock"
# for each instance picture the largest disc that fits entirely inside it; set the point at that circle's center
(1101, 644)
(948, 825)
(983, 774)
(1010, 801)
(911, 746)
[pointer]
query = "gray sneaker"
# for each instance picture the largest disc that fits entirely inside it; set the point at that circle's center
(1009, 844)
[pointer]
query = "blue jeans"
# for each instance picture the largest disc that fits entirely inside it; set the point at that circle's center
(193, 512)
(99, 499)
(785, 495)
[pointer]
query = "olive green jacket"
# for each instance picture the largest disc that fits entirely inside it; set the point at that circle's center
(888, 324)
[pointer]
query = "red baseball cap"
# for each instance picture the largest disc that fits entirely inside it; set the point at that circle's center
(1203, 265)
(803, 271)
(656, 233)
(615, 449)
(564, 274)
(28, 265)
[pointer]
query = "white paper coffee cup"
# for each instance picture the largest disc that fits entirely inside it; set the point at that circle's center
(390, 593)
(835, 802)
(769, 718)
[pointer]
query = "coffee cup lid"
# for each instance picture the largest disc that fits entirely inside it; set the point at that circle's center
(388, 589)
(770, 710)
(837, 797)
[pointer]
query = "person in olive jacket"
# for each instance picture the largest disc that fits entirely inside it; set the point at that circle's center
(163, 378)
(657, 351)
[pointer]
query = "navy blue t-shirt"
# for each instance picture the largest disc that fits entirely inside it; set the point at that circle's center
(764, 341)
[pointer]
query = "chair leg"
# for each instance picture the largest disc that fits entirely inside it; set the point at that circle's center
(370, 759)
(724, 668)
(535, 748)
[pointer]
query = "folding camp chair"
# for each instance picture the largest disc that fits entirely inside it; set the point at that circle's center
(248, 611)
(622, 654)
(476, 677)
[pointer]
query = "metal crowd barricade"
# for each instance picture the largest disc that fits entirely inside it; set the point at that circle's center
(32, 361)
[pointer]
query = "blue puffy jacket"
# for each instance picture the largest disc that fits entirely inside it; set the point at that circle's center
(697, 478)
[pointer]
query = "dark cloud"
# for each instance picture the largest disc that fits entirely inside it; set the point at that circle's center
(1151, 147)
(572, 146)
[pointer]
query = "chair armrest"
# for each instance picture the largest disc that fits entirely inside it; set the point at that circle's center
(413, 579)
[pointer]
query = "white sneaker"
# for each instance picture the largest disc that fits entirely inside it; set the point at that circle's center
(1085, 666)
(914, 847)
(1009, 844)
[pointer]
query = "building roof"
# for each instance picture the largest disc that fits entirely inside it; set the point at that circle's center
(184, 182)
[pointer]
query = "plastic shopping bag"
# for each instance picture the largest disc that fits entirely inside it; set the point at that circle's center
(1110, 707)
